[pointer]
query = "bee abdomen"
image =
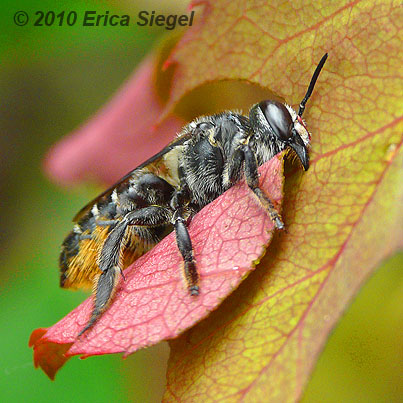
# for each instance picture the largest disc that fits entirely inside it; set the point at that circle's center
(79, 252)
(83, 247)
(70, 248)
(104, 208)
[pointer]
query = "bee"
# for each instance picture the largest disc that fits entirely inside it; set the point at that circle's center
(209, 155)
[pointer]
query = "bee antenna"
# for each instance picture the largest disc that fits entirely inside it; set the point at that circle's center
(312, 84)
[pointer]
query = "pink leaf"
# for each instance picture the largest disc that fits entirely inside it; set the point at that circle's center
(118, 138)
(229, 237)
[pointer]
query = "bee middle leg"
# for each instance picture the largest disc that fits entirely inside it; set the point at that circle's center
(252, 179)
(185, 247)
(180, 199)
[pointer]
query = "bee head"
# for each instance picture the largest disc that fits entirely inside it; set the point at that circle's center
(279, 123)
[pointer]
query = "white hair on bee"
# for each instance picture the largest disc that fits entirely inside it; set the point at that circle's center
(300, 128)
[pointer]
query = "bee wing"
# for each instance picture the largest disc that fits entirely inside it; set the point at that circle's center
(104, 195)
(154, 159)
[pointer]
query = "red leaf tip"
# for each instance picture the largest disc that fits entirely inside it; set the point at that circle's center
(48, 355)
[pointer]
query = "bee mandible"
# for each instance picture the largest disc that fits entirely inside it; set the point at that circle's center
(209, 155)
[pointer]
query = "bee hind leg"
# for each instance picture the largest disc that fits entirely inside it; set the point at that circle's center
(110, 256)
(106, 223)
(105, 286)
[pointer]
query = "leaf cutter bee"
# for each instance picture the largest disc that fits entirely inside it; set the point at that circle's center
(209, 155)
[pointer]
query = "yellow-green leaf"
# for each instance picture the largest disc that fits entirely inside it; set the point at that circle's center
(342, 217)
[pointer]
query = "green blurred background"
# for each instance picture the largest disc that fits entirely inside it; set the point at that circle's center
(51, 80)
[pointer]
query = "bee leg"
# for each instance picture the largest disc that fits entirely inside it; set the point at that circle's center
(105, 285)
(185, 247)
(105, 223)
(109, 257)
(233, 170)
(84, 236)
(252, 179)
(81, 236)
(106, 282)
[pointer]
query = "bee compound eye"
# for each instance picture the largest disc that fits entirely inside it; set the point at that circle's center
(278, 118)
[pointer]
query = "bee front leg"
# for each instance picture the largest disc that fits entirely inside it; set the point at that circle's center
(252, 179)
(110, 256)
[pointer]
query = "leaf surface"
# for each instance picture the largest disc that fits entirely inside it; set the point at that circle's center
(229, 237)
(119, 137)
(342, 217)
